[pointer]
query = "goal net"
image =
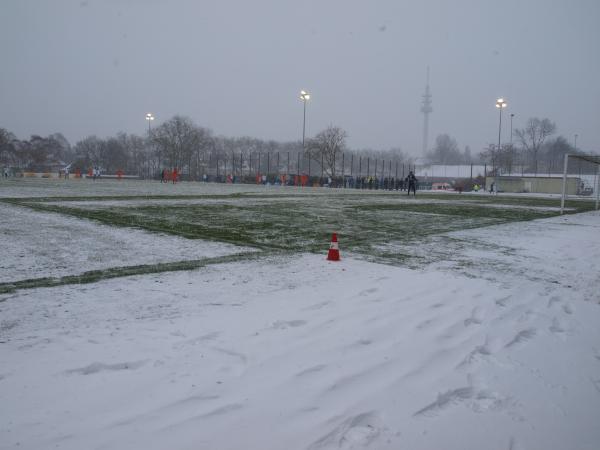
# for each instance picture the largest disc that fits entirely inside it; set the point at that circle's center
(580, 180)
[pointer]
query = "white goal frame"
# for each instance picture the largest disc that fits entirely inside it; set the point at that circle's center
(594, 159)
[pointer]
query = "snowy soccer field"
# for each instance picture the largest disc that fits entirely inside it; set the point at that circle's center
(141, 315)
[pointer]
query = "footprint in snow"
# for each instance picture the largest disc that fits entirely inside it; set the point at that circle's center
(444, 400)
(567, 309)
(475, 396)
(195, 341)
(502, 302)
(522, 336)
(240, 357)
(102, 367)
(221, 410)
(475, 318)
(368, 291)
(359, 431)
(316, 306)
(487, 400)
(479, 352)
(283, 324)
(311, 370)
(513, 444)
(553, 300)
(425, 324)
(557, 326)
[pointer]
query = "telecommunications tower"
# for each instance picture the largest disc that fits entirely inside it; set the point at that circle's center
(426, 109)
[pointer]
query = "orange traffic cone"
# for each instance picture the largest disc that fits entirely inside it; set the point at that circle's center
(334, 250)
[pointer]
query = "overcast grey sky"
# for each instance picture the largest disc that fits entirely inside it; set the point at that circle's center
(237, 66)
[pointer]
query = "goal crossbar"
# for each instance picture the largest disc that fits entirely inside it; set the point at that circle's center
(594, 159)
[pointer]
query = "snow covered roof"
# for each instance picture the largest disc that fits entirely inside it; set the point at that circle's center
(590, 158)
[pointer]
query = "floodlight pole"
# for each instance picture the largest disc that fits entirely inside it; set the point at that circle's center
(304, 124)
(149, 118)
(500, 104)
(304, 96)
(511, 143)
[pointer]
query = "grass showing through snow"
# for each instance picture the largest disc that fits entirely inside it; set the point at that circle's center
(380, 226)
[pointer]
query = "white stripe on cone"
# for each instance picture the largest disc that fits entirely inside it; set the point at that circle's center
(334, 246)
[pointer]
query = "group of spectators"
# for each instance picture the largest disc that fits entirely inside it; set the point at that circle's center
(408, 183)
(167, 175)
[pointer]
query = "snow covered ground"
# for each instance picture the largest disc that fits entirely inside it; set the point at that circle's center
(37, 244)
(497, 348)
(39, 187)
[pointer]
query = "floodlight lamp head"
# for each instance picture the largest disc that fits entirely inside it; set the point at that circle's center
(304, 95)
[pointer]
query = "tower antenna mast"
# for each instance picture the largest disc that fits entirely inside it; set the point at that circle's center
(426, 109)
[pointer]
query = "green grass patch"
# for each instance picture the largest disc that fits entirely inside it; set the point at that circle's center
(378, 226)
(301, 222)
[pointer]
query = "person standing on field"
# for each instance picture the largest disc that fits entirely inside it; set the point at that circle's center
(412, 183)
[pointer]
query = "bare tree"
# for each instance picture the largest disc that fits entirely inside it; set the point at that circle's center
(533, 136)
(8, 147)
(445, 151)
(491, 154)
(88, 152)
(134, 147)
(204, 144)
(176, 139)
(327, 146)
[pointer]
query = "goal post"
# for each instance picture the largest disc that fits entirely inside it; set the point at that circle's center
(582, 181)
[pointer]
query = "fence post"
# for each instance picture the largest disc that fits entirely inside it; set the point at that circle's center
(485, 177)
(564, 186)
(360, 166)
(333, 168)
(322, 167)
(597, 186)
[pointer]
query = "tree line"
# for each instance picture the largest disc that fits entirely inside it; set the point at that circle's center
(180, 143)
(535, 150)
(195, 150)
